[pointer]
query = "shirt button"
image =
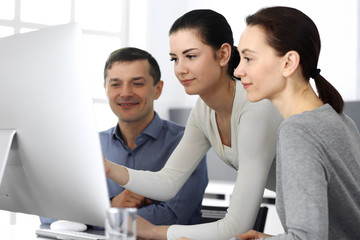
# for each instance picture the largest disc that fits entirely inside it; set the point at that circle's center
(129, 154)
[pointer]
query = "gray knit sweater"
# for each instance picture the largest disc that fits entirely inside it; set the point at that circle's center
(318, 176)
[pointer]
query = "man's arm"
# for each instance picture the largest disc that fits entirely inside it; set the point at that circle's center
(130, 200)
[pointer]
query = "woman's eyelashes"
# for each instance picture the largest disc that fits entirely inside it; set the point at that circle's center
(246, 59)
(189, 56)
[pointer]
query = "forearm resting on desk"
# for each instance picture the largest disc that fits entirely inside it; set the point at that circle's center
(115, 172)
(147, 230)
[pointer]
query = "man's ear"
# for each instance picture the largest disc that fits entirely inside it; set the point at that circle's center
(291, 63)
(159, 86)
(105, 88)
(224, 54)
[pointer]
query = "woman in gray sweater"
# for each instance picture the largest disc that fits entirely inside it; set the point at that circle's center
(318, 150)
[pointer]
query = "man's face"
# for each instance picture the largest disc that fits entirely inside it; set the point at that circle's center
(131, 91)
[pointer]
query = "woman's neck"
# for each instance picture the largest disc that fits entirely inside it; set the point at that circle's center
(297, 101)
(222, 97)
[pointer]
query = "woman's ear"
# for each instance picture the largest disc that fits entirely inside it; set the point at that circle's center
(224, 54)
(291, 63)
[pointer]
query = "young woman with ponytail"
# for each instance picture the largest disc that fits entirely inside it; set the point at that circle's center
(243, 134)
(318, 149)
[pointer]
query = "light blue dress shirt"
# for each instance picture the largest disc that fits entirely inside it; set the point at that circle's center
(153, 147)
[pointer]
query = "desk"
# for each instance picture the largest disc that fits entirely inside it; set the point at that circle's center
(16, 226)
(218, 193)
(18, 232)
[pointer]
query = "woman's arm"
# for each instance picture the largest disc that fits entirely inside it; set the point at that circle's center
(146, 230)
(303, 184)
(164, 184)
(116, 172)
(252, 235)
(256, 144)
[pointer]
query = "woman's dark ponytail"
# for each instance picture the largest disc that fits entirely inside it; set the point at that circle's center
(328, 94)
(233, 62)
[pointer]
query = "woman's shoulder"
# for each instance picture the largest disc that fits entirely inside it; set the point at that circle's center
(263, 110)
(201, 110)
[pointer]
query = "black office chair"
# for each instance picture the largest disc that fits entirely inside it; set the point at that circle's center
(213, 213)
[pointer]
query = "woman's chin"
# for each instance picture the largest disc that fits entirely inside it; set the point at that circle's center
(190, 91)
(254, 98)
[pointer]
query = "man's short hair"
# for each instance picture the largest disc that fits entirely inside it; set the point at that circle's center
(130, 54)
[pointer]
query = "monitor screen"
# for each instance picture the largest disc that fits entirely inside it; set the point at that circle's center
(53, 165)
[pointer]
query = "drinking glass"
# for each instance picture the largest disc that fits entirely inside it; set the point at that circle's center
(120, 224)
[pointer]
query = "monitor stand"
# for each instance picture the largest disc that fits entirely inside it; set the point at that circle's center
(6, 138)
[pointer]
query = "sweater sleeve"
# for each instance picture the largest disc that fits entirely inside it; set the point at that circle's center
(164, 184)
(256, 144)
(303, 180)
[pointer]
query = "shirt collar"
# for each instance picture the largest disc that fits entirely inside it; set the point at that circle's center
(153, 129)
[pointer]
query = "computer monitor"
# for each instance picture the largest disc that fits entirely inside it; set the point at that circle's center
(53, 165)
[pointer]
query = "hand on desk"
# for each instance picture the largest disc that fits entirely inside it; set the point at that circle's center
(129, 199)
(146, 230)
(252, 234)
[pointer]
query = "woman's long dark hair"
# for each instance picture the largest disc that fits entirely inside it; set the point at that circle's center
(213, 30)
(289, 29)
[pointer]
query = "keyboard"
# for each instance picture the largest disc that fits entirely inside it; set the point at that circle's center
(64, 234)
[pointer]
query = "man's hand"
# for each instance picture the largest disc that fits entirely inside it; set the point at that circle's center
(129, 199)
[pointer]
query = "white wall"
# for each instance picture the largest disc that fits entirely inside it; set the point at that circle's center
(336, 20)
(358, 52)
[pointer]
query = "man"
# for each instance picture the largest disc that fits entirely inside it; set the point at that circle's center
(143, 141)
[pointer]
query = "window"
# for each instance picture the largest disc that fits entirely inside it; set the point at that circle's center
(104, 24)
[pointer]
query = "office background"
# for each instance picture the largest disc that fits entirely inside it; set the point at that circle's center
(111, 24)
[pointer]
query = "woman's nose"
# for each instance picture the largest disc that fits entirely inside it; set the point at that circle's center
(180, 67)
(239, 71)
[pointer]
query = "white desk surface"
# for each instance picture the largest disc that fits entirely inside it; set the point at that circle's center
(19, 232)
(22, 226)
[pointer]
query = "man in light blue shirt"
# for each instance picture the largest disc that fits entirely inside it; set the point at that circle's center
(142, 140)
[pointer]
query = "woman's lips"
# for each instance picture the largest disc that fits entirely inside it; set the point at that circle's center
(186, 81)
(246, 85)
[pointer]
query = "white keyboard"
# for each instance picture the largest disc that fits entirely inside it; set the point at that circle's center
(63, 234)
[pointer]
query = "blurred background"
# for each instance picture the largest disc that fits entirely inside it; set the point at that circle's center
(112, 24)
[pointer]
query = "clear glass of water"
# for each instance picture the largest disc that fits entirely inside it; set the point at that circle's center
(120, 224)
